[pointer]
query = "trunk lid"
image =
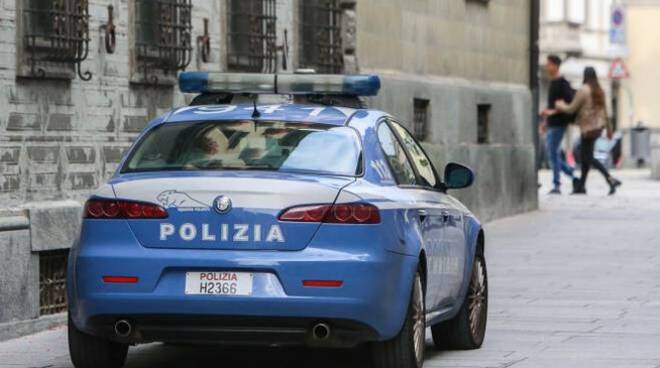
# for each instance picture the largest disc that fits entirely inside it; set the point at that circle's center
(245, 218)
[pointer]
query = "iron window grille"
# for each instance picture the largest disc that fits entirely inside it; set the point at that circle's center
(52, 281)
(420, 118)
(56, 32)
(252, 36)
(162, 36)
(483, 123)
(321, 42)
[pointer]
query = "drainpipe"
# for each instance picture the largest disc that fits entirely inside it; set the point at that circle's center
(535, 15)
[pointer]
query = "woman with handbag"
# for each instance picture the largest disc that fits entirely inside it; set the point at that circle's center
(589, 104)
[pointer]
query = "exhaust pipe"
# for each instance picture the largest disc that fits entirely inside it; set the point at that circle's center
(123, 328)
(321, 331)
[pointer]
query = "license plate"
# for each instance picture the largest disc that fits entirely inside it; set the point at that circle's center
(218, 283)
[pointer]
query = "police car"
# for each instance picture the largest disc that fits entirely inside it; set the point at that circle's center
(278, 210)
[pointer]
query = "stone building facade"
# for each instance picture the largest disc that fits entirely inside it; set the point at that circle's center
(582, 32)
(638, 104)
(579, 32)
(79, 79)
(458, 74)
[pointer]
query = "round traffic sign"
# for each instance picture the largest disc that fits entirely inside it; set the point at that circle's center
(617, 17)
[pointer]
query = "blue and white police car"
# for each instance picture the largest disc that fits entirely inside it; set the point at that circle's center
(278, 210)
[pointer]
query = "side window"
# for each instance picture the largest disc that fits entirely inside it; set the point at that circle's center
(401, 168)
(420, 160)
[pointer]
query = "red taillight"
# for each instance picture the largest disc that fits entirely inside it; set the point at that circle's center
(120, 279)
(350, 213)
(305, 213)
(117, 209)
(323, 283)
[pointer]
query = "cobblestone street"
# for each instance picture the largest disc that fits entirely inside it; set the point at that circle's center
(576, 284)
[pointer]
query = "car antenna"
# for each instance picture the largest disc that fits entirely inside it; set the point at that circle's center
(255, 113)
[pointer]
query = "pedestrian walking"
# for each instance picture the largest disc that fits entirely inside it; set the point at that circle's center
(556, 123)
(589, 105)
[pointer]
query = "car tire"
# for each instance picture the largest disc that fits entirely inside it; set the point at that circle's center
(467, 330)
(89, 351)
(406, 350)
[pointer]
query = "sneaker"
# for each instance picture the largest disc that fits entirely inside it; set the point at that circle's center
(555, 191)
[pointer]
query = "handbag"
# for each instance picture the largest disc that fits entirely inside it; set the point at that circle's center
(594, 124)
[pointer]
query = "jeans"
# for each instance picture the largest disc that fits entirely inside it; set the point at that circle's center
(588, 161)
(554, 137)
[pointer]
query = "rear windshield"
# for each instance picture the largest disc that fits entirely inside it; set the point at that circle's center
(248, 145)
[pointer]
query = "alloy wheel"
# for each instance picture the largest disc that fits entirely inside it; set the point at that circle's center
(419, 322)
(478, 298)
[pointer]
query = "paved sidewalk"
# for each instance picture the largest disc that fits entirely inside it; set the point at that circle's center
(576, 284)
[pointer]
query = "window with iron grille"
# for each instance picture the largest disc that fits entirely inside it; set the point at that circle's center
(162, 36)
(320, 34)
(55, 36)
(483, 123)
(252, 37)
(52, 281)
(420, 118)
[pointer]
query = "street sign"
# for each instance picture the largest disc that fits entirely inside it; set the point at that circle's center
(617, 32)
(617, 16)
(617, 26)
(618, 70)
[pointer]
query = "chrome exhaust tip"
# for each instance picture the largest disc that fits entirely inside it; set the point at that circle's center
(123, 328)
(321, 331)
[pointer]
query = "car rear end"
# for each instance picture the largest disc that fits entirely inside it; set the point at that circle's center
(238, 231)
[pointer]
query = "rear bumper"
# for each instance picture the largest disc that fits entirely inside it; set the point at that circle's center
(233, 330)
(370, 305)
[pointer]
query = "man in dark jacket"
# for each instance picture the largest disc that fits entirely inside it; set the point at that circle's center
(560, 89)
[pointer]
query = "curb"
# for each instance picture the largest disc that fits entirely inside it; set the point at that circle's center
(12, 330)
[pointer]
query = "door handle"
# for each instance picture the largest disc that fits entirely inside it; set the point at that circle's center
(445, 216)
(423, 214)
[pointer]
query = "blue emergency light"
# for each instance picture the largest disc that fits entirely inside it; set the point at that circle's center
(293, 84)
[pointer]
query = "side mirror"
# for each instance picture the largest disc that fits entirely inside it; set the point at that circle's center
(458, 176)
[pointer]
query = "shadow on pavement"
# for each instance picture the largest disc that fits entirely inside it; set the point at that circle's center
(171, 356)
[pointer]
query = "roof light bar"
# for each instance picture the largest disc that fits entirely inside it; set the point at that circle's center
(295, 84)
(331, 84)
(200, 82)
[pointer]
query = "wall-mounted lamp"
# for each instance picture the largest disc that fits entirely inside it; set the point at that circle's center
(284, 49)
(204, 42)
(109, 29)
